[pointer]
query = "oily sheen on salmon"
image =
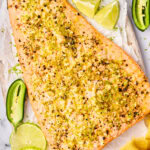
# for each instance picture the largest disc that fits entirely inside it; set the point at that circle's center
(84, 89)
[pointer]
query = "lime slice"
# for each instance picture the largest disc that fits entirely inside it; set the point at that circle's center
(87, 7)
(28, 136)
(30, 148)
(108, 16)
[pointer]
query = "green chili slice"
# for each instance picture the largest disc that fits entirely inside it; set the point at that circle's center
(15, 102)
(141, 13)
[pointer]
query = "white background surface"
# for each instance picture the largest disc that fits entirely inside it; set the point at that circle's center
(144, 42)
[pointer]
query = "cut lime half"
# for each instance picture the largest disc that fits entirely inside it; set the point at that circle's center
(87, 7)
(108, 15)
(28, 136)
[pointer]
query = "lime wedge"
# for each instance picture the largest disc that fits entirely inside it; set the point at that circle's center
(108, 15)
(87, 7)
(28, 136)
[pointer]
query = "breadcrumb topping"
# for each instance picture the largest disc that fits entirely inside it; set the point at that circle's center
(84, 96)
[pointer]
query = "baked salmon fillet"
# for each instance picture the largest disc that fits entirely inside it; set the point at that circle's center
(84, 89)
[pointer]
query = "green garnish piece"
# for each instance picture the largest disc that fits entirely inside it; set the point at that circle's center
(28, 136)
(87, 7)
(141, 13)
(108, 15)
(15, 102)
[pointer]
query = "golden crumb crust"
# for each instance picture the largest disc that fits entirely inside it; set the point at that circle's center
(85, 90)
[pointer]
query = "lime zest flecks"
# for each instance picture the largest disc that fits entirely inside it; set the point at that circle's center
(116, 28)
(111, 38)
(15, 69)
(16, 55)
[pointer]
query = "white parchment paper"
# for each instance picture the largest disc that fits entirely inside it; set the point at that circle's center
(9, 63)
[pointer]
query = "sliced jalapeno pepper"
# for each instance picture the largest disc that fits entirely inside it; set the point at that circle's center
(15, 102)
(141, 13)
